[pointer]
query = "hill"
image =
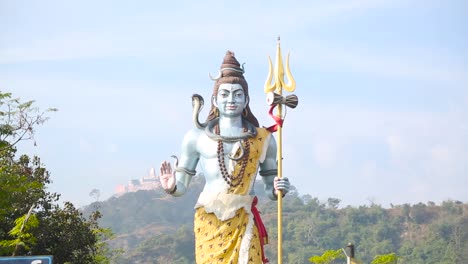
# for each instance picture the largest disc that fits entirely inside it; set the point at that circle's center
(152, 227)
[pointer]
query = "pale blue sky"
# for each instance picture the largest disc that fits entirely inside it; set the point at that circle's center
(383, 88)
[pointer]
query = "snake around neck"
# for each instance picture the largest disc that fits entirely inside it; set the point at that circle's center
(249, 132)
(197, 105)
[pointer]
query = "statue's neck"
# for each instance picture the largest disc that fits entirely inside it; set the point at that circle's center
(230, 126)
(230, 130)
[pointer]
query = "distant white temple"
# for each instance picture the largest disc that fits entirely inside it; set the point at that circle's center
(149, 182)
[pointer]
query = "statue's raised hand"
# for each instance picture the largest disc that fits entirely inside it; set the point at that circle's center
(167, 177)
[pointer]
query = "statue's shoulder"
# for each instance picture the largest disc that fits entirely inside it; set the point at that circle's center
(193, 133)
(192, 136)
(266, 134)
(191, 139)
(263, 132)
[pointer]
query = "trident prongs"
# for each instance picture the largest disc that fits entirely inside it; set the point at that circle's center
(278, 74)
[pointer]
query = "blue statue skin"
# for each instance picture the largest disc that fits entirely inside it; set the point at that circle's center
(198, 147)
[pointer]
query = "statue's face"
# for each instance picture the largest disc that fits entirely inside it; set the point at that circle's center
(230, 100)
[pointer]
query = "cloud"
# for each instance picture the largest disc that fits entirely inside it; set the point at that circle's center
(112, 148)
(85, 146)
(426, 66)
(146, 34)
(326, 10)
(395, 157)
(69, 46)
(325, 153)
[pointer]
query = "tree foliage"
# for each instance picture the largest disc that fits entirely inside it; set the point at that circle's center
(391, 258)
(31, 220)
(18, 120)
(328, 257)
(20, 233)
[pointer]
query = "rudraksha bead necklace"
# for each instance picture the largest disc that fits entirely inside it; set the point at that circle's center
(232, 180)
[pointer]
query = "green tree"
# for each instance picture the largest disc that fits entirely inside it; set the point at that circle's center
(18, 120)
(31, 221)
(20, 233)
(391, 258)
(22, 187)
(328, 257)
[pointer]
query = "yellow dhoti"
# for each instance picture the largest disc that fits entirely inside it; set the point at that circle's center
(222, 241)
(224, 226)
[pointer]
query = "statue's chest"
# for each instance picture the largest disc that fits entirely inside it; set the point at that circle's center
(208, 148)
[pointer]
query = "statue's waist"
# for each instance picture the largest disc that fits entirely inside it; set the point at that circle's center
(224, 205)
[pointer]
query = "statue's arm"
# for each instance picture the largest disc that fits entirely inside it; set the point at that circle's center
(188, 161)
(269, 173)
(269, 168)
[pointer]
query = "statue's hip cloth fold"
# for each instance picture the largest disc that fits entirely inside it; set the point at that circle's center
(229, 229)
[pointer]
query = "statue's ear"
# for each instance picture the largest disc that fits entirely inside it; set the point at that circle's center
(213, 101)
(247, 99)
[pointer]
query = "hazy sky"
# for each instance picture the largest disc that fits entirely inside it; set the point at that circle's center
(382, 87)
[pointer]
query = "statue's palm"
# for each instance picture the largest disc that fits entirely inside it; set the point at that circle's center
(166, 177)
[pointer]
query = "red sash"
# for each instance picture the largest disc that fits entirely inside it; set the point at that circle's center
(261, 228)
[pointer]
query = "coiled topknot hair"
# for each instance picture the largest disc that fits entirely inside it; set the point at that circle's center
(231, 72)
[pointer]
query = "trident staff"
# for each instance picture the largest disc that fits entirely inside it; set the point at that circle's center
(274, 91)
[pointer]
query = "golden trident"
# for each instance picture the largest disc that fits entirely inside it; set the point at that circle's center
(274, 93)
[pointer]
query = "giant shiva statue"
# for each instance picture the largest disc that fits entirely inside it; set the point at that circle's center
(231, 148)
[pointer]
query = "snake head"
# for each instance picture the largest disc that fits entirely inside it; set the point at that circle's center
(197, 99)
(176, 160)
(197, 105)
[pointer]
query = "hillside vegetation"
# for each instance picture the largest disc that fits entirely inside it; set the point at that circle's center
(152, 227)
